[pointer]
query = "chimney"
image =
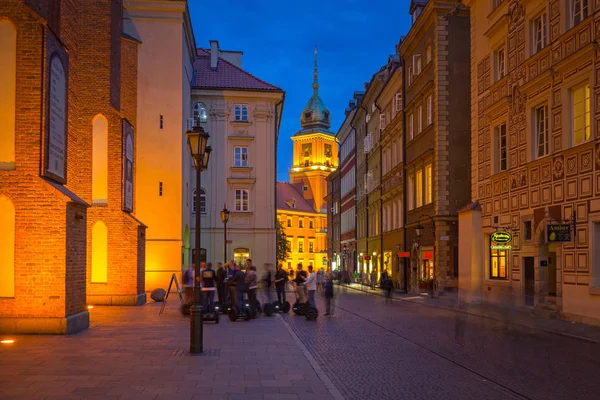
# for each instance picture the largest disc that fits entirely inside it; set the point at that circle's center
(214, 54)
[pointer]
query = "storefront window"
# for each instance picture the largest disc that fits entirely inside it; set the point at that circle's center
(498, 261)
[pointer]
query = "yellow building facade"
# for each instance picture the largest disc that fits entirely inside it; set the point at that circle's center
(301, 208)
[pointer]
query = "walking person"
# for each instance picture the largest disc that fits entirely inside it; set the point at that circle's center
(386, 286)
(251, 283)
(329, 295)
(281, 278)
(239, 282)
(220, 281)
(311, 286)
(320, 280)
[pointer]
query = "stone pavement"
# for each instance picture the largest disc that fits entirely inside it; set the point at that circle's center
(407, 350)
(535, 319)
(132, 353)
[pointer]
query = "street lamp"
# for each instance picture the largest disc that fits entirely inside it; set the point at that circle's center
(225, 218)
(419, 230)
(197, 139)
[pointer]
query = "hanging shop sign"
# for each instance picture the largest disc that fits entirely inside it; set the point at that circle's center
(500, 247)
(501, 237)
(404, 254)
(367, 258)
(559, 233)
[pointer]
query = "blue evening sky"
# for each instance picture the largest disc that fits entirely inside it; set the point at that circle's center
(278, 38)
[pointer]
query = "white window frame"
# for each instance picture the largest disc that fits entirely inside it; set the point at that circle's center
(542, 139)
(500, 63)
(539, 32)
(410, 75)
(578, 10)
(382, 122)
(240, 156)
(417, 64)
(243, 195)
(410, 126)
(241, 112)
(585, 109)
(202, 201)
(429, 106)
(501, 147)
(398, 102)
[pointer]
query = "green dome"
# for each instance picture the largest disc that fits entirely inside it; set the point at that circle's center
(315, 114)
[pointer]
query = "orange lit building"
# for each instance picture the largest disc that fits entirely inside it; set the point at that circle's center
(301, 208)
(68, 235)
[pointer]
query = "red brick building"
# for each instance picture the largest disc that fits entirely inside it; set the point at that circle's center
(68, 237)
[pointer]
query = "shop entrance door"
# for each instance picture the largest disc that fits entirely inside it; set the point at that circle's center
(529, 272)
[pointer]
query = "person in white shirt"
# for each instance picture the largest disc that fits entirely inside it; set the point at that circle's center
(311, 285)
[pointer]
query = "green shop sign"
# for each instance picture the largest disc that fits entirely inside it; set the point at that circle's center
(501, 237)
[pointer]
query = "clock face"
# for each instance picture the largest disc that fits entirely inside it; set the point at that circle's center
(307, 149)
(327, 150)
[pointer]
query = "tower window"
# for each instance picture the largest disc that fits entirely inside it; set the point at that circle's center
(305, 188)
(308, 115)
(161, 121)
(326, 115)
(160, 188)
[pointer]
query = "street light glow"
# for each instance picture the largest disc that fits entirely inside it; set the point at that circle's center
(7, 341)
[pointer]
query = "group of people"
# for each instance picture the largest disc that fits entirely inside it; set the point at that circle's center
(246, 281)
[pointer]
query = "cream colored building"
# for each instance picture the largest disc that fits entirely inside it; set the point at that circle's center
(165, 71)
(242, 114)
(535, 157)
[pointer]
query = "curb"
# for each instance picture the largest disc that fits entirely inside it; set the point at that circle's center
(320, 373)
(551, 331)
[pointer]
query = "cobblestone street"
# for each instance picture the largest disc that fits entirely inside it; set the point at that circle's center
(404, 350)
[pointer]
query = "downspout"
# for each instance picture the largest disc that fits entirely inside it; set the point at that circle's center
(380, 181)
(278, 114)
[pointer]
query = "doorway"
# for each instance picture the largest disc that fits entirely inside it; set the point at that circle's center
(529, 272)
(552, 274)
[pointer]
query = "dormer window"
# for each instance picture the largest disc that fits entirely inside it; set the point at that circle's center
(326, 115)
(416, 13)
(308, 115)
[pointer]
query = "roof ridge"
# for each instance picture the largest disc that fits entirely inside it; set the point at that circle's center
(242, 70)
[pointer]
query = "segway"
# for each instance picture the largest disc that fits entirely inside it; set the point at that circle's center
(235, 314)
(211, 315)
(311, 313)
(299, 306)
(282, 308)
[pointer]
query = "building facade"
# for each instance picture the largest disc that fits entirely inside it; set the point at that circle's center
(334, 247)
(435, 56)
(242, 114)
(346, 136)
(68, 158)
(535, 157)
(303, 199)
(166, 54)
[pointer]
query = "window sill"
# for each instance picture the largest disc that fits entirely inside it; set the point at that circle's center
(242, 212)
(497, 282)
(240, 169)
(240, 122)
(8, 166)
(100, 203)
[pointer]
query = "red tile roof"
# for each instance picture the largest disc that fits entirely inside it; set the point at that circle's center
(287, 192)
(226, 76)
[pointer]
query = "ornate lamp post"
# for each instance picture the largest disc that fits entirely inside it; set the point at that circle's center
(419, 229)
(197, 139)
(225, 218)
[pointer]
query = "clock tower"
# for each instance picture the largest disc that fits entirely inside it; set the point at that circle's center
(315, 149)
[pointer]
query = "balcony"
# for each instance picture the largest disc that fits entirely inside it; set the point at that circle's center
(307, 167)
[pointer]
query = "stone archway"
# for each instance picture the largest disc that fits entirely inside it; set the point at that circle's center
(548, 261)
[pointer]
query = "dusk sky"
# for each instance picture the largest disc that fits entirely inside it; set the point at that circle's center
(278, 39)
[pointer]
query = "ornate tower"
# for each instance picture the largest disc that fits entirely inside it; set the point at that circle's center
(315, 148)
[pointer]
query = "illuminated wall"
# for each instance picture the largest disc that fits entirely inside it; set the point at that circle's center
(306, 234)
(99, 253)
(8, 69)
(7, 247)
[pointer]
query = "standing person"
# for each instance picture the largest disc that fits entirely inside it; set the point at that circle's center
(300, 288)
(248, 264)
(251, 283)
(220, 280)
(208, 276)
(311, 286)
(281, 278)
(188, 284)
(386, 283)
(239, 281)
(268, 280)
(328, 295)
(320, 280)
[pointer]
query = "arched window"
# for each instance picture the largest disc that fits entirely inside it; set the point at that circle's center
(8, 93)
(99, 159)
(200, 112)
(7, 247)
(99, 253)
(202, 201)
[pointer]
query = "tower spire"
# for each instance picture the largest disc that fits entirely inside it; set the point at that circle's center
(315, 84)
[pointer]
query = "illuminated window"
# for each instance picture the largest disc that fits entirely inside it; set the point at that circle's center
(428, 184)
(411, 192)
(8, 90)
(240, 156)
(289, 222)
(7, 247)
(99, 160)
(498, 261)
(419, 188)
(242, 200)
(311, 224)
(311, 246)
(99, 253)
(200, 113)
(419, 119)
(202, 201)
(580, 114)
(300, 246)
(300, 223)
(241, 112)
